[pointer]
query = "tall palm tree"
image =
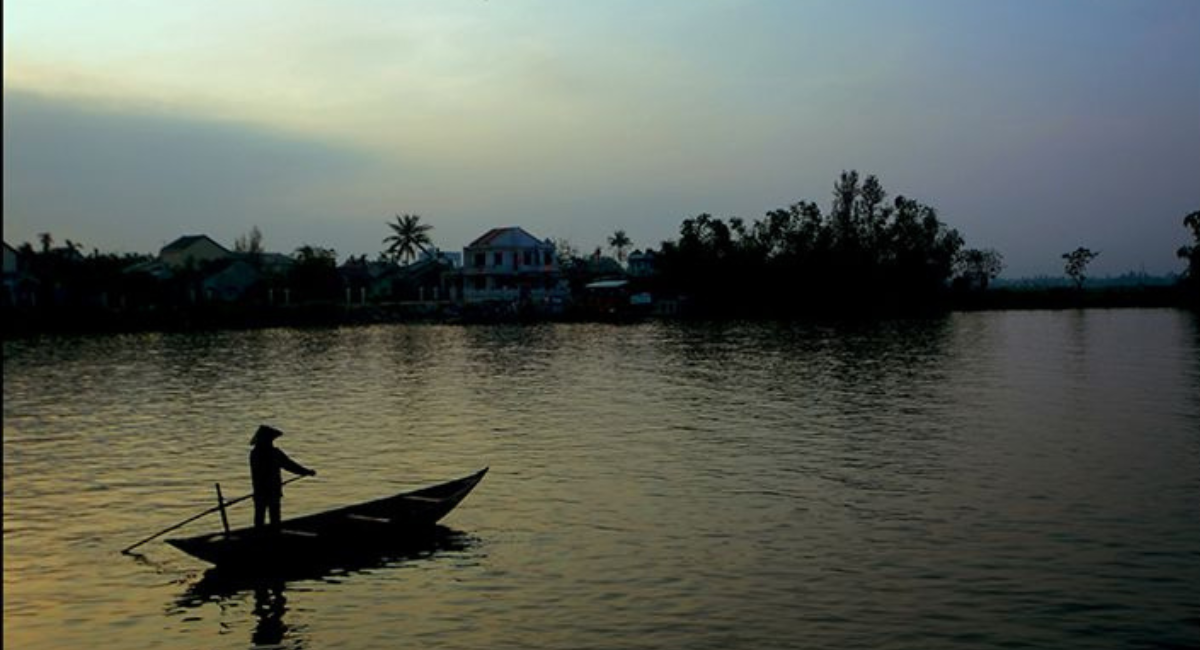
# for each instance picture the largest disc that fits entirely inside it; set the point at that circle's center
(408, 236)
(620, 241)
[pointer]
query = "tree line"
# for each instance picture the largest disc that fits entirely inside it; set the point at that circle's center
(864, 253)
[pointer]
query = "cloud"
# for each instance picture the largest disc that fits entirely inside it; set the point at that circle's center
(1034, 131)
(120, 179)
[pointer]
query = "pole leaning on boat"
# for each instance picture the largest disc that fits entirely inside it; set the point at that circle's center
(220, 506)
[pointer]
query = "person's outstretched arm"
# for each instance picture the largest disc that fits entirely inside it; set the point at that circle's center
(292, 466)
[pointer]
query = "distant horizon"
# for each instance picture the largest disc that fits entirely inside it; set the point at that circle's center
(1033, 128)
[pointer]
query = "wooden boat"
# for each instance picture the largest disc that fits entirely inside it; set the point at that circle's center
(369, 527)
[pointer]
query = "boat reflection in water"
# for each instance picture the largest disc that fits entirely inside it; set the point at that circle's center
(327, 547)
(269, 585)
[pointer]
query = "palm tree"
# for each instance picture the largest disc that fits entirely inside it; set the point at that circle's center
(408, 236)
(620, 241)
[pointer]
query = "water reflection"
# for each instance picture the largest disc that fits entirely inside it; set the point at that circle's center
(511, 349)
(866, 398)
(984, 480)
(270, 604)
(270, 589)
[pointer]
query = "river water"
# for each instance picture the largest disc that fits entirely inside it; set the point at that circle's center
(983, 480)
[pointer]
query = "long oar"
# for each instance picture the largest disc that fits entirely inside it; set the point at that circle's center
(211, 510)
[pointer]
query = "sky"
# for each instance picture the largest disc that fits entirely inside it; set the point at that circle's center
(1033, 126)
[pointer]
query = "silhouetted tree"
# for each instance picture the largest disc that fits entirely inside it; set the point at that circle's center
(47, 241)
(565, 251)
(980, 266)
(872, 213)
(1077, 262)
(250, 242)
(1191, 275)
(1192, 253)
(619, 242)
(843, 216)
(314, 273)
(865, 253)
(408, 236)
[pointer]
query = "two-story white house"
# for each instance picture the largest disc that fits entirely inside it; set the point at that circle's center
(510, 265)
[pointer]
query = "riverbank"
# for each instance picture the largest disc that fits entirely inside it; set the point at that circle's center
(1151, 296)
(25, 322)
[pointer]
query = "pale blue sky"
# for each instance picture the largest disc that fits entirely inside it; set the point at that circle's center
(1035, 126)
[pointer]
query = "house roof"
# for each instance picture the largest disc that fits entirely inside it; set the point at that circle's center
(272, 261)
(155, 268)
(237, 272)
(509, 236)
(187, 241)
(607, 284)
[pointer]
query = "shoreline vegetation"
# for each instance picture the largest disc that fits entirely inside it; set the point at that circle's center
(867, 256)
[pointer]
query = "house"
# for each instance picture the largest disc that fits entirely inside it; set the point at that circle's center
(602, 267)
(453, 259)
(642, 264)
(11, 257)
(606, 297)
(276, 264)
(156, 269)
(510, 265)
(429, 279)
(363, 280)
(192, 250)
(12, 274)
(231, 283)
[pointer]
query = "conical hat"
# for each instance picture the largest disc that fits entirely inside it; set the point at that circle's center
(265, 434)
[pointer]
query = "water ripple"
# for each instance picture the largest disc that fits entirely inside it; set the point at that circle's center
(979, 481)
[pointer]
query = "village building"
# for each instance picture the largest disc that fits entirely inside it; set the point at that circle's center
(11, 257)
(231, 283)
(642, 264)
(12, 274)
(192, 250)
(509, 265)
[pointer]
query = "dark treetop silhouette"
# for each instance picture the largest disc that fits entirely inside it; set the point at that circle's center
(266, 461)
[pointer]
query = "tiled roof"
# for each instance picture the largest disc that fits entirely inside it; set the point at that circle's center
(507, 236)
(186, 241)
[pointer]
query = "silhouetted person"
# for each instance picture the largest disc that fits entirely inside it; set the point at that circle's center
(266, 461)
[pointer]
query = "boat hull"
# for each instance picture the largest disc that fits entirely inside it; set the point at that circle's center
(388, 524)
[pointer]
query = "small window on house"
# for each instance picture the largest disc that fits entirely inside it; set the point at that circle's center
(497, 259)
(480, 260)
(528, 257)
